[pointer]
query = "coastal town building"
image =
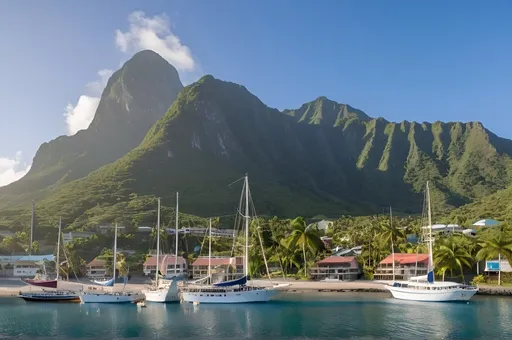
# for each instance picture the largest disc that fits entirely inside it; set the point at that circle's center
(96, 269)
(226, 266)
(28, 266)
(492, 267)
(336, 268)
(7, 264)
(166, 266)
(355, 251)
(74, 235)
(406, 266)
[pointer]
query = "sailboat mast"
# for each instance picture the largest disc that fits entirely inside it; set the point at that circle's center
(176, 246)
(430, 256)
(158, 242)
(210, 249)
(57, 262)
(246, 267)
(392, 243)
(32, 222)
(115, 253)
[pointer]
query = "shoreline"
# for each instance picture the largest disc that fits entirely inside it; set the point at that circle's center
(295, 287)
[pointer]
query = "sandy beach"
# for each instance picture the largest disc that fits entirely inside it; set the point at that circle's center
(12, 286)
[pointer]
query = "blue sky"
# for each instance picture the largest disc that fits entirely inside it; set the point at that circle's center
(423, 61)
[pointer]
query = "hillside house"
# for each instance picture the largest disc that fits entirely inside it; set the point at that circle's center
(336, 268)
(166, 267)
(227, 266)
(406, 266)
(96, 269)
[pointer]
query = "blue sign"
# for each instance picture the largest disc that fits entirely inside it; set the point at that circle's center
(493, 265)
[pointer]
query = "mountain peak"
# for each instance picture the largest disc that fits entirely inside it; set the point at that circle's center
(325, 111)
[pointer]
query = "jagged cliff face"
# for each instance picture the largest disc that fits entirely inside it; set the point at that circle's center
(323, 158)
(135, 97)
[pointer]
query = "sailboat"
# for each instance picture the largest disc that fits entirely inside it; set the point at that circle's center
(112, 296)
(425, 288)
(38, 280)
(53, 295)
(233, 291)
(164, 290)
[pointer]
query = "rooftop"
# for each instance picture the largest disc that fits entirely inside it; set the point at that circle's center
(337, 260)
(167, 259)
(406, 259)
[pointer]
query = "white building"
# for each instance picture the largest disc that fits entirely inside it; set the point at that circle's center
(27, 266)
(73, 235)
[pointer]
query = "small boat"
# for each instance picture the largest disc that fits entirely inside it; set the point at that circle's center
(164, 290)
(237, 290)
(141, 304)
(424, 288)
(52, 295)
(100, 296)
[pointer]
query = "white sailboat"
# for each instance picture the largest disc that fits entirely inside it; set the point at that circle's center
(57, 295)
(164, 290)
(109, 296)
(424, 288)
(234, 291)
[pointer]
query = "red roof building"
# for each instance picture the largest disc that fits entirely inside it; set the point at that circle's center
(406, 266)
(218, 264)
(167, 263)
(96, 268)
(336, 268)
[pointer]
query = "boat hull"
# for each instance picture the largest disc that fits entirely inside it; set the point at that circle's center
(168, 293)
(41, 283)
(108, 298)
(242, 296)
(442, 295)
(45, 297)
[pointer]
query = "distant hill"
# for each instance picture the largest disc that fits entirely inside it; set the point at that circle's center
(323, 158)
(135, 97)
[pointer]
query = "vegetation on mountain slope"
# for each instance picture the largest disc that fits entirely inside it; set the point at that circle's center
(323, 158)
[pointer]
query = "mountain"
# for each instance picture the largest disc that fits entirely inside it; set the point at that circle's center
(135, 97)
(323, 158)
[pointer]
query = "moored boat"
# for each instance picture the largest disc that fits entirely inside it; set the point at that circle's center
(164, 290)
(100, 296)
(237, 290)
(425, 288)
(53, 295)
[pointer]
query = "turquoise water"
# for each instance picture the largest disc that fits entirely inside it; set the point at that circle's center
(370, 316)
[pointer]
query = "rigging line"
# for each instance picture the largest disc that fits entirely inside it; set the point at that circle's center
(238, 180)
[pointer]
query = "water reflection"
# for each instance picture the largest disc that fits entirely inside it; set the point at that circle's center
(296, 318)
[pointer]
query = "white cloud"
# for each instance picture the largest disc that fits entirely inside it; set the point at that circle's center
(145, 33)
(79, 116)
(154, 33)
(12, 169)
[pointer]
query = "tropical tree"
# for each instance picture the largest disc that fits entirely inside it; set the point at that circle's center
(495, 246)
(303, 237)
(451, 255)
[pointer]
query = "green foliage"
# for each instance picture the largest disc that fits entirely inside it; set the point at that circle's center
(479, 279)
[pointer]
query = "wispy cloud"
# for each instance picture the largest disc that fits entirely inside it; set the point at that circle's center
(80, 116)
(154, 33)
(144, 33)
(12, 169)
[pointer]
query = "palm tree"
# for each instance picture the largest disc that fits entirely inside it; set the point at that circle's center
(494, 247)
(450, 254)
(305, 237)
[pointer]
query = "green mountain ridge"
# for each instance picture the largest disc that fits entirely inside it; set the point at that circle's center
(135, 97)
(323, 158)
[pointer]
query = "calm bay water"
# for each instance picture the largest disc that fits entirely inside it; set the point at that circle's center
(370, 316)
